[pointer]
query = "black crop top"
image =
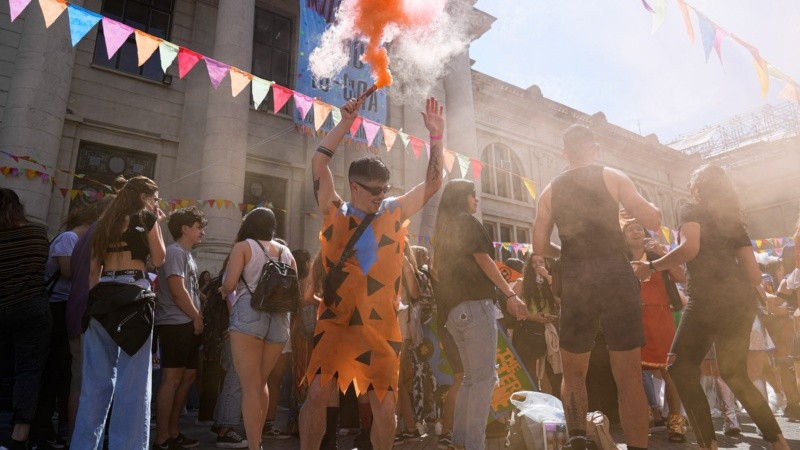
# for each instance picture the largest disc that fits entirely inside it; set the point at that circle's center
(134, 238)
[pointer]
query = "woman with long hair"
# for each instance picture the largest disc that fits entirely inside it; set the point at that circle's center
(24, 313)
(530, 335)
(466, 278)
(722, 274)
(659, 297)
(126, 234)
(257, 338)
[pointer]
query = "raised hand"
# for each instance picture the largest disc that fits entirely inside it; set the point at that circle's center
(433, 116)
(350, 110)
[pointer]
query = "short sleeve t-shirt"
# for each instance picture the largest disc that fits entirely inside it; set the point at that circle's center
(62, 245)
(460, 277)
(715, 265)
(178, 262)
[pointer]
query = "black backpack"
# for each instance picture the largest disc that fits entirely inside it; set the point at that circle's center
(278, 289)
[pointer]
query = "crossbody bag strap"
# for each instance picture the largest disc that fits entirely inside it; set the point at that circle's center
(349, 249)
(241, 276)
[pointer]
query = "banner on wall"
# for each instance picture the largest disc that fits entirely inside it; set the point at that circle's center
(352, 81)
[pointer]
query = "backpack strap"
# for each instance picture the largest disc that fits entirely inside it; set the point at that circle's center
(241, 275)
(349, 249)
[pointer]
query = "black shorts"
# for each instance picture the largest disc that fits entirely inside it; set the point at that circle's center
(180, 347)
(449, 347)
(600, 292)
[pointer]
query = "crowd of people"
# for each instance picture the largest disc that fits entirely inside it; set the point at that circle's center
(85, 316)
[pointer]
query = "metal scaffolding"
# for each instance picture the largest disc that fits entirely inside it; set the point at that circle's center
(766, 124)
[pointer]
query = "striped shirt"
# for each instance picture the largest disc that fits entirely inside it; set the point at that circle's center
(23, 253)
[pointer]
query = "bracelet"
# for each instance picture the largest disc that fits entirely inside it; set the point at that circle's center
(512, 295)
(435, 138)
(650, 265)
(325, 151)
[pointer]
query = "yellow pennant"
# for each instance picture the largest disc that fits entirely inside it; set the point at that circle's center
(449, 160)
(239, 80)
(531, 186)
(52, 10)
(146, 44)
(389, 136)
(321, 112)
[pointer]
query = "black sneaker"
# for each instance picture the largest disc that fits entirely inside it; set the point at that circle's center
(231, 439)
(186, 442)
(362, 440)
(329, 442)
(11, 444)
(587, 444)
(57, 442)
(169, 444)
(408, 436)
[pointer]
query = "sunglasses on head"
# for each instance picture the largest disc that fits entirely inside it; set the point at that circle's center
(375, 190)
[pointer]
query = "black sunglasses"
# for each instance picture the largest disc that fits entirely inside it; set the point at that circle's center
(375, 190)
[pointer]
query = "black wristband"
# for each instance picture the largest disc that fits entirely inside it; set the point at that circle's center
(650, 265)
(325, 151)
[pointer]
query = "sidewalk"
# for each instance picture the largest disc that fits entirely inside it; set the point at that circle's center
(749, 440)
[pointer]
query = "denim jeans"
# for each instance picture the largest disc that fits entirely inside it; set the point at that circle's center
(110, 373)
(228, 412)
(474, 328)
(25, 334)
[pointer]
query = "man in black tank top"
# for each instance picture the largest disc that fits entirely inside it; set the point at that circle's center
(600, 290)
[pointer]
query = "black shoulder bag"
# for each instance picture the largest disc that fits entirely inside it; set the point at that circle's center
(336, 276)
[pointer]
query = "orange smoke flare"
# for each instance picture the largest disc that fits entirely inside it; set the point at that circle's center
(372, 19)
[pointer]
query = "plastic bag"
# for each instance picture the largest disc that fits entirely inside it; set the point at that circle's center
(532, 409)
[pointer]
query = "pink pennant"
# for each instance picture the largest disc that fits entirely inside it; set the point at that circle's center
(216, 71)
(718, 35)
(477, 167)
(280, 95)
(416, 145)
(356, 124)
(16, 7)
(303, 103)
(187, 60)
(115, 34)
(371, 130)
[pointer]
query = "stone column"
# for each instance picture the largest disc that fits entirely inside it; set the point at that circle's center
(226, 131)
(37, 104)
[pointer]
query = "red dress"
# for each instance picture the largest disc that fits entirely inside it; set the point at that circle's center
(659, 328)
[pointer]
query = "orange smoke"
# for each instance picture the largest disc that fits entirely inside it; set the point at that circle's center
(372, 19)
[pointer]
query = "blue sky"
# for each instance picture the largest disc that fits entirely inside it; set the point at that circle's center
(602, 56)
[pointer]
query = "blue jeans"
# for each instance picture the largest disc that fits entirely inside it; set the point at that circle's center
(474, 328)
(228, 412)
(109, 372)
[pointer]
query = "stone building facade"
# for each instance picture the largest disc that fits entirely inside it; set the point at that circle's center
(75, 110)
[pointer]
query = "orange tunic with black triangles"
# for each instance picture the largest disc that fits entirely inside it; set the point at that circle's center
(357, 337)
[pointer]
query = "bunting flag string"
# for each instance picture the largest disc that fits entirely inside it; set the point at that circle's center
(81, 21)
(712, 35)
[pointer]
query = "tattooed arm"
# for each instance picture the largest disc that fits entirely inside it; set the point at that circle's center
(417, 197)
(324, 190)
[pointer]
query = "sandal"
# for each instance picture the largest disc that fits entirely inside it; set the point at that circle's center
(676, 426)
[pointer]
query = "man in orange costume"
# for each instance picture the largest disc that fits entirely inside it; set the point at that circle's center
(357, 338)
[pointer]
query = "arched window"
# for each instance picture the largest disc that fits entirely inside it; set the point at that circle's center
(501, 174)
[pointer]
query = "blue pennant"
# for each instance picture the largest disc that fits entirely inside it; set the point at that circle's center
(367, 250)
(80, 22)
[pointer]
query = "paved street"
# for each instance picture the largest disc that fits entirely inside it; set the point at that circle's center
(750, 439)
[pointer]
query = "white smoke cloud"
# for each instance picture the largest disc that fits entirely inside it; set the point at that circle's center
(419, 54)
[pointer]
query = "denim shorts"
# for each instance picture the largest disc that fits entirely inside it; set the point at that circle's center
(270, 327)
